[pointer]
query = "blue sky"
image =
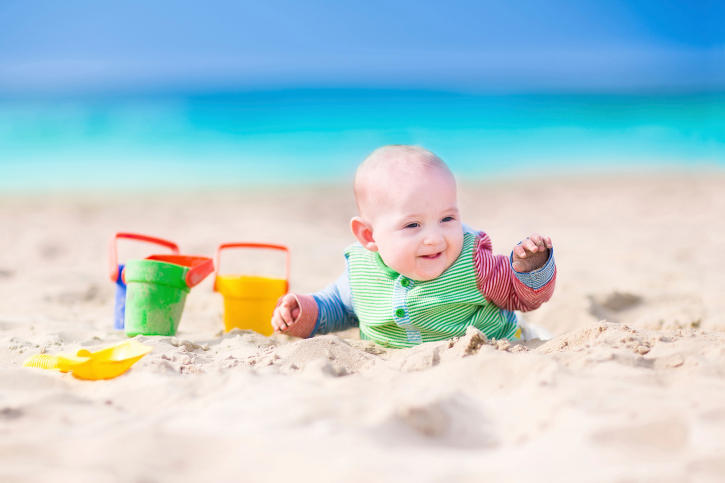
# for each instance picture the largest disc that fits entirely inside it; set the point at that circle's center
(486, 46)
(234, 93)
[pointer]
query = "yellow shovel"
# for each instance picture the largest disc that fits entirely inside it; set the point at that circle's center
(104, 364)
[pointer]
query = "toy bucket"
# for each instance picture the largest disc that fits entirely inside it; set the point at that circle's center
(115, 270)
(156, 289)
(250, 301)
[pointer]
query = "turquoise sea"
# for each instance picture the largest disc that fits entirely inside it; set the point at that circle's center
(227, 140)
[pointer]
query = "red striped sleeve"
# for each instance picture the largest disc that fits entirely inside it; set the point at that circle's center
(497, 282)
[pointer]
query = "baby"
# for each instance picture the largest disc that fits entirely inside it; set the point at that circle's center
(418, 274)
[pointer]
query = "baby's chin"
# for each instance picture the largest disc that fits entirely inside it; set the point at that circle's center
(424, 278)
(424, 274)
(420, 269)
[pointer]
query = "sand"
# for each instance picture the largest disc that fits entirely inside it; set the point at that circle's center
(632, 387)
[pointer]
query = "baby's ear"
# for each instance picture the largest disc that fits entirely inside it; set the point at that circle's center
(363, 231)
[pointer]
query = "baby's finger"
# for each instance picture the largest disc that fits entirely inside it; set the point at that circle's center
(519, 251)
(529, 245)
(285, 314)
(277, 322)
(540, 242)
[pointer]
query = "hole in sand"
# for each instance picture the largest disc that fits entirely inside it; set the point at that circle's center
(618, 302)
(608, 306)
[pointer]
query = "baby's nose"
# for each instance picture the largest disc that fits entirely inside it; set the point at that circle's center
(433, 237)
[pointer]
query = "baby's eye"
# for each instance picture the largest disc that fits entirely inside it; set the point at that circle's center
(447, 218)
(412, 225)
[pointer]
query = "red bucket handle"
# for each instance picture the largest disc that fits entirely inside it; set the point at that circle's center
(113, 251)
(217, 260)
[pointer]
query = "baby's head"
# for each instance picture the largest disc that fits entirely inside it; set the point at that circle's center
(406, 199)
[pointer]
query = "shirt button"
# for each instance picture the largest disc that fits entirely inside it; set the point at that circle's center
(400, 313)
(405, 282)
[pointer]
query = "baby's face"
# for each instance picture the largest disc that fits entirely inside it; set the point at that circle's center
(417, 228)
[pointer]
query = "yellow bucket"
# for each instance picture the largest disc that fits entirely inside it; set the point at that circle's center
(249, 301)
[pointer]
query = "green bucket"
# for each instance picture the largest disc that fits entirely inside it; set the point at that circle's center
(156, 290)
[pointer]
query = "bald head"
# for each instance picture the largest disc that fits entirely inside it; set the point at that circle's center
(377, 176)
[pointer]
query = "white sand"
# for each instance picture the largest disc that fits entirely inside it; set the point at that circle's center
(638, 397)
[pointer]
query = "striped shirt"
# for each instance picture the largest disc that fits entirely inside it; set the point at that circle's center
(479, 289)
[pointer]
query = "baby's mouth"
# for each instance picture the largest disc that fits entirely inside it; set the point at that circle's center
(432, 256)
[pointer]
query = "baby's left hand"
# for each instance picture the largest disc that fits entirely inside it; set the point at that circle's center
(532, 253)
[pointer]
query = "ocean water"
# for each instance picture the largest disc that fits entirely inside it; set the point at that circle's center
(227, 140)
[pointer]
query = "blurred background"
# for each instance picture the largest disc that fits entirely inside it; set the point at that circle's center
(172, 95)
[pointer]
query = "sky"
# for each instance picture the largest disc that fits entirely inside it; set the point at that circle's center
(50, 47)
(126, 94)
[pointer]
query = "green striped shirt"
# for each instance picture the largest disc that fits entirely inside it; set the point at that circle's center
(396, 311)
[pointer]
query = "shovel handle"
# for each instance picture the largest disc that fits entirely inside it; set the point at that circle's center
(270, 246)
(113, 250)
(42, 361)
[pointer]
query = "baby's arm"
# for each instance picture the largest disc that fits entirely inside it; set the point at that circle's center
(517, 282)
(329, 310)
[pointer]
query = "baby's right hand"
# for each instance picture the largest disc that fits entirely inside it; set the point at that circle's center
(286, 314)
